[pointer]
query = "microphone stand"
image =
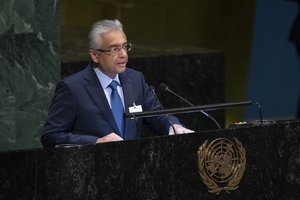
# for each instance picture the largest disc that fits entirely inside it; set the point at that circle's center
(164, 87)
(191, 109)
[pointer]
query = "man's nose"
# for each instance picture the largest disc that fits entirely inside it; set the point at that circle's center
(123, 51)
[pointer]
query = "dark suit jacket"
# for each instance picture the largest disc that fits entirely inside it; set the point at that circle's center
(80, 113)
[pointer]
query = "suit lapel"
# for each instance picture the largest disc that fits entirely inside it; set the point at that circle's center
(128, 99)
(97, 94)
(127, 91)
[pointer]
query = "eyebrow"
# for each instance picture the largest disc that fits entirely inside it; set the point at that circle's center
(116, 45)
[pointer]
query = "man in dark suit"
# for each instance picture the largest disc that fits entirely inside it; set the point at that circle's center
(88, 106)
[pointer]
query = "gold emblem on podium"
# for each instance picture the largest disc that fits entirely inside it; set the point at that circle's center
(221, 164)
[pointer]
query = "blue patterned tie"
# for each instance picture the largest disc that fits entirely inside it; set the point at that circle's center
(116, 105)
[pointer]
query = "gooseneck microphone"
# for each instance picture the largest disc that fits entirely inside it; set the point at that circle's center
(161, 106)
(165, 88)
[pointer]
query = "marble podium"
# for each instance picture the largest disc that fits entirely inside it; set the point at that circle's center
(157, 168)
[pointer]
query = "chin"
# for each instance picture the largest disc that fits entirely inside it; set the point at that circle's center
(121, 69)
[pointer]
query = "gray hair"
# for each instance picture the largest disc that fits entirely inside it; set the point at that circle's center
(101, 27)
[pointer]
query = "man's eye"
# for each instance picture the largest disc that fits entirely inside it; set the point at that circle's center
(114, 49)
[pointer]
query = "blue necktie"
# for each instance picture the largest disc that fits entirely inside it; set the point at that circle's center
(116, 106)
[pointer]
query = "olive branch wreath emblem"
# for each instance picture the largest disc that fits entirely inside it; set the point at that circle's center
(223, 158)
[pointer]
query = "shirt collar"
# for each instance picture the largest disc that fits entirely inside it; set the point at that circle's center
(104, 79)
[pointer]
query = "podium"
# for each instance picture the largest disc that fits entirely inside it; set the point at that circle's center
(265, 165)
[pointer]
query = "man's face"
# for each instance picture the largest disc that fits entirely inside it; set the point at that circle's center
(110, 64)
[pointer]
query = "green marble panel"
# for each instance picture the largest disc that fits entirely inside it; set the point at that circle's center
(16, 16)
(7, 92)
(29, 69)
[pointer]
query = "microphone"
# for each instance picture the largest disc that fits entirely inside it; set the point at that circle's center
(161, 106)
(165, 88)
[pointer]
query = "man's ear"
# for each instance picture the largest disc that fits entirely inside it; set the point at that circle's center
(94, 55)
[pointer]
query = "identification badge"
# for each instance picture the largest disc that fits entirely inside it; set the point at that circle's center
(135, 109)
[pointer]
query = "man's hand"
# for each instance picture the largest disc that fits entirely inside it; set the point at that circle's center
(112, 137)
(179, 130)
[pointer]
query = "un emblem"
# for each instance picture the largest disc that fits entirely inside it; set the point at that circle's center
(221, 164)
